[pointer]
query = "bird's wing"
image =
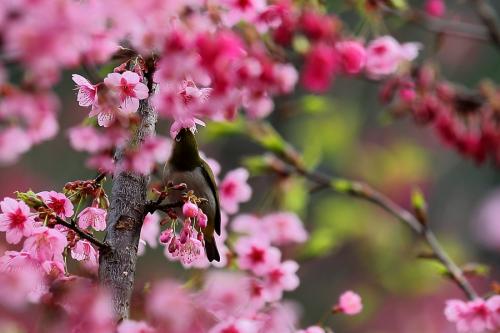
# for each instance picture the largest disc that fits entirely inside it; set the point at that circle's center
(209, 176)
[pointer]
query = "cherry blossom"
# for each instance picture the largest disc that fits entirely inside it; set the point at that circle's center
(58, 202)
(165, 296)
(83, 250)
(385, 54)
(352, 56)
(92, 217)
(474, 316)
(149, 232)
(284, 228)
(45, 244)
(312, 329)
(87, 92)
(435, 8)
(132, 326)
(190, 209)
(320, 67)
(15, 220)
(129, 89)
(349, 303)
(256, 255)
(234, 189)
(241, 325)
(279, 278)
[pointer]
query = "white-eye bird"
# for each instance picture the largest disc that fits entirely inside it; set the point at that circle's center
(186, 166)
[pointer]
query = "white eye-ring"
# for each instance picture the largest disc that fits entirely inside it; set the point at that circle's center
(178, 139)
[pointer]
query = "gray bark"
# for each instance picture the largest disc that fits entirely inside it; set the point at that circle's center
(125, 217)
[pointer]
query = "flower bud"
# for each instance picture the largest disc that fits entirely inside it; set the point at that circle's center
(190, 209)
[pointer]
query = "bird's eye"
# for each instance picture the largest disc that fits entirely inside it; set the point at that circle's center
(178, 139)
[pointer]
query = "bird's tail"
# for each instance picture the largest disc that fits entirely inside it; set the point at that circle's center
(211, 249)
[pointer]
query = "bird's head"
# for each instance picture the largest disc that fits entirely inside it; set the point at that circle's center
(185, 153)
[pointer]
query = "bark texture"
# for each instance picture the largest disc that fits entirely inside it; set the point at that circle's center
(125, 217)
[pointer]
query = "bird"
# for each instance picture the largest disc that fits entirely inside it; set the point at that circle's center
(185, 165)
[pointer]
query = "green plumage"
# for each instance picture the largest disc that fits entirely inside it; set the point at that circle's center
(186, 166)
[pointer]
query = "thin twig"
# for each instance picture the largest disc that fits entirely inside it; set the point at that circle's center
(363, 191)
(81, 233)
(441, 26)
(489, 18)
(152, 206)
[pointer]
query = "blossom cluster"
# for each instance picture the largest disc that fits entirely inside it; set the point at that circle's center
(45, 243)
(475, 316)
(463, 120)
(198, 61)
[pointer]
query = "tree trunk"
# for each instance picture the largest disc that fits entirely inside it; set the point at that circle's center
(125, 217)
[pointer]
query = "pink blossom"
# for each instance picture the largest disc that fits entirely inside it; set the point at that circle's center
(352, 56)
(256, 255)
(226, 294)
(20, 286)
(312, 329)
(87, 92)
(150, 231)
(234, 190)
(237, 11)
(46, 244)
(129, 88)
(53, 269)
(15, 220)
(474, 316)
(181, 123)
(132, 326)
(83, 250)
(202, 219)
(92, 217)
(166, 296)
(284, 228)
(320, 67)
(279, 278)
(248, 224)
(57, 202)
(241, 325)
(190, 251)
(190, 209)
(435, 8)
(349, 303)
(10, 152)
(86, 138)
(384, 55)
(154, 149)
(166, 235)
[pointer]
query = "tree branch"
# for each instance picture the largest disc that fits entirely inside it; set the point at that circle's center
(489, 18)
(81, 233)
(291, 158)
(125, 217)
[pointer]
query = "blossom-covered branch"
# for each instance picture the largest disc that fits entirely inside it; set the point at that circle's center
(81, 233)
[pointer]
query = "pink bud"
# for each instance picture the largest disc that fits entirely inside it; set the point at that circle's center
(350, 303)
(199, 237)
(407, 94)
(173, 247)
(166, 235)
(202, 219)
(189, 209)
(435, 8)
(353, 56)
(185, 232)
